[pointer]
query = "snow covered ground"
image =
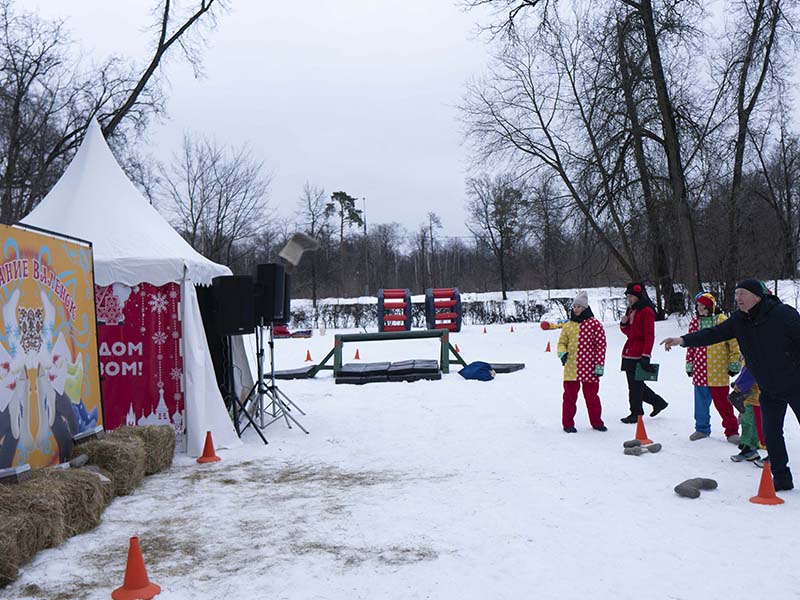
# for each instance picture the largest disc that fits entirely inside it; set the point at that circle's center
(449, 489)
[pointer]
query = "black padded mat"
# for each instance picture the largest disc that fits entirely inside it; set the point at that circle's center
(416, 366)
(363, 369)
(362, 380)
(416, 377)
(303, 373)
(507, 367)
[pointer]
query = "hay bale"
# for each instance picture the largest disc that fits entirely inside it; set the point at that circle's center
(43, 507)
(85, 499)
(10, 550)
(123, 457)
(42, 512)
(106, 482)
(159, 444)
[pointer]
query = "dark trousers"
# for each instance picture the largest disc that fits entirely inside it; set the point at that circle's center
(773, 413)
(638, 392)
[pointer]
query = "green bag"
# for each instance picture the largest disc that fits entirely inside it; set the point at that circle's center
(641, 375)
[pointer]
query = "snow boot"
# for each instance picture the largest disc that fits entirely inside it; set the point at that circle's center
(600, 428)
(659, 407)
(698, 435)
(631, 419)
(734, 439)
(570, 430)
(746, 454)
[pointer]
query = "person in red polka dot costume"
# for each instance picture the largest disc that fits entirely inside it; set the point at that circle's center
(582, 351)
(710, 369)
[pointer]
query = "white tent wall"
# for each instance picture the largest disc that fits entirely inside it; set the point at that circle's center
(205, 410)
(132, 243)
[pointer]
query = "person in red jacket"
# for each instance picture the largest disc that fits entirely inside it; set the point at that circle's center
(638, 325)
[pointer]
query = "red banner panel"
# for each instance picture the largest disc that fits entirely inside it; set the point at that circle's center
(141, 368)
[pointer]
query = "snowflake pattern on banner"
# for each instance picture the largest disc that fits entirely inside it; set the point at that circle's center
(140, 357)
(158, 302)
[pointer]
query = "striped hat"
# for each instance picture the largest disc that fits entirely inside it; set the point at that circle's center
(706, 299)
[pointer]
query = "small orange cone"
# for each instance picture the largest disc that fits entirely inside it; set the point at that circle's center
(457, 350)
(308, 356)
(641, 434)
(766, 489)
(357, 357)
(512, 329)
(484, 330)
(208, 451)
(136, 585)
(548, 347)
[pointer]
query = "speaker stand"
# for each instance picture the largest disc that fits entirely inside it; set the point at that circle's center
(277, 405)
(237, 406)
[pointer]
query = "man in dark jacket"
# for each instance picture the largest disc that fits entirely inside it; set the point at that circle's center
(768, 333)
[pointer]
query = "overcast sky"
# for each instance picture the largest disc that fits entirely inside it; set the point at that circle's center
(351, 95)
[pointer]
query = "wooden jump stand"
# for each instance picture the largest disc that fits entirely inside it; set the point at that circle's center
(447, 353)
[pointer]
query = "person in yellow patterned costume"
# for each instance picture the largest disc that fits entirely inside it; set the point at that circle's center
(582, 351)
(710, 369)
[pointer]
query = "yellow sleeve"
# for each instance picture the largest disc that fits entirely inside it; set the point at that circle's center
(563, 341)
(733, 353)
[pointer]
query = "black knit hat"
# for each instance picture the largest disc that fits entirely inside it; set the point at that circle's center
(634, 289)
(754, 286)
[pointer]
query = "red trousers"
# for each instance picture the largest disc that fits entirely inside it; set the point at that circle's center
(569, 405)
(725, 409)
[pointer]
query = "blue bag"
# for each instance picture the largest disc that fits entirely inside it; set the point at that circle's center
(479, 370)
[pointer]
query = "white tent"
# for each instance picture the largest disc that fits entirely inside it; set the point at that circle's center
(132, 243)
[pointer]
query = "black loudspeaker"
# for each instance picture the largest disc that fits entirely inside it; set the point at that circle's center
(287, 300)
(269, 297)
(233, 301)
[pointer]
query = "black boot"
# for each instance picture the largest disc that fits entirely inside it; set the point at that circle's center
(630, 419)
(657, 408)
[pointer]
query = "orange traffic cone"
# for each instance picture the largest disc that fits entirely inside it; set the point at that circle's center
(766, 489)
(357, 357)
(308, 356)
(512, 329)
(136, 585)
(457, 350)
(208, 451)
(484, 330)
(547, 349)
(641, 434)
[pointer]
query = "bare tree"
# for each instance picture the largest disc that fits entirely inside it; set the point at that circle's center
(47, 98)
(752, 58)
(219, 197)
(779, 173)
(187, 31)
(434, 223)
(498, 216)
(542, 87)
(314, 218)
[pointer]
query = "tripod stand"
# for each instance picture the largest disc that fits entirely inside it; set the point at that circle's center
(237, 406)
(266, 400)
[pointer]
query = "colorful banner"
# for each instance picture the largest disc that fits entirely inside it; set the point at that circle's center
(139, 332)
(49, 376)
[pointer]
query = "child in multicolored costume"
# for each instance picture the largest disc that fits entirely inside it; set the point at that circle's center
(582, 350)
(746, 391)
(710, 369)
